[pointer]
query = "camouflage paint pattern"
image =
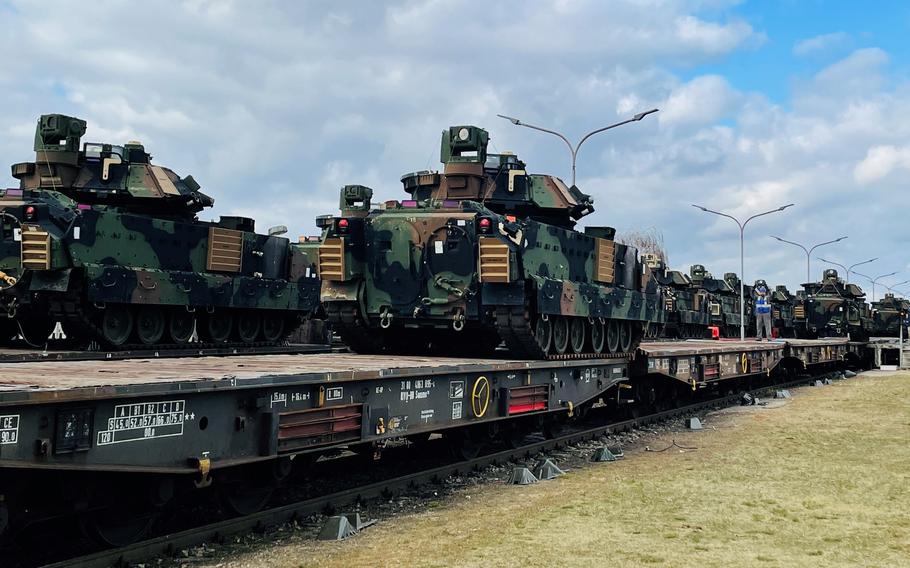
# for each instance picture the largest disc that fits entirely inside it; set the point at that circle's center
(888, 315)
(832, 308)
(121, 230)
(419, 263)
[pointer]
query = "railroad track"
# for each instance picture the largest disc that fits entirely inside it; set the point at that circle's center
(170, 544)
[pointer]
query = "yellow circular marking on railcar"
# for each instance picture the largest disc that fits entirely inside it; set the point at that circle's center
(480, 396)
(743, 363)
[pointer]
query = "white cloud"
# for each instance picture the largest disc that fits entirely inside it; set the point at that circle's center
(881, 161)
(273, 107)
(821, 43)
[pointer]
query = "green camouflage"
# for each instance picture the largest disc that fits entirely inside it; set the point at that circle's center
(482, 252)
(887, 315)
(104, 240)
(686, 307)
(782, 305)
(723, 300)
(832, 308)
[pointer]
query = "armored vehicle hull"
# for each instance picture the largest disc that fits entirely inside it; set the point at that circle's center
(831, 308)
(483, 254)
(87, 241)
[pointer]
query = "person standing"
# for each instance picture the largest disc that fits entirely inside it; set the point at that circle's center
(762, 311)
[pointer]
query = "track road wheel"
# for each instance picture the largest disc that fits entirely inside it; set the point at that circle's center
(116, 324)
(150, 324)
(613, 335)
(560, 334)
(598, 336)
(248, 324)
(180, 325)
(218, 326)
(543, 333)
(625, 336)
(272, 327)
(577, 334)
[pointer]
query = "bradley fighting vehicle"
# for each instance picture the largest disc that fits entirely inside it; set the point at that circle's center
(888, 315)
(782, 306)
(723, 300)
(108, 243)
(482, 252)
(687, 314)
(832, 308)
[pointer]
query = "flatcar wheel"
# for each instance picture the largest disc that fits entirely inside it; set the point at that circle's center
(218, 326)
(625, 336)
(272, 327)
(248, 324)
(577, 334)
(149, 325)
(598, 336)
(543, 333)
(116, 324)
(180, 325)
(240, 498)
(117, 531)
(561, 334)
(8, 329)
(613, 336)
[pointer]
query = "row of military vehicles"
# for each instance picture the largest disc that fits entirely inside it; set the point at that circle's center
(481, 254)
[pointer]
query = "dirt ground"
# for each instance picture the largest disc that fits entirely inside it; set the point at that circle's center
(822, 479)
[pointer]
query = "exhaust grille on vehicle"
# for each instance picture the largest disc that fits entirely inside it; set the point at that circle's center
(799, 312)
(36, 248)
(604, 258)
(331, 259)
(493, 260)
(225, 250)
(319, 427)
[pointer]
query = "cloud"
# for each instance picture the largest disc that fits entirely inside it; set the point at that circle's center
(821, 44)
(274, 106)
(881, 161)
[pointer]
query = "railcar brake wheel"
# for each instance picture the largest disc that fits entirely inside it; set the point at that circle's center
(560, 334)
(150, 324)
(180, 325)
(272, 327)
(625, 336)
(598, 336)
(577, 334)
(543, 333)
(613, 335)
(248, 324)
(218, 326)
(116, 324)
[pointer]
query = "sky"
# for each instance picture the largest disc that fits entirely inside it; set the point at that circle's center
(273, 106)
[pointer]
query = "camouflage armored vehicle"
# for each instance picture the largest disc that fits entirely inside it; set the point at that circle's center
(832, 308)
(723, 300)
(480, 253)
(687, 314)
(887, 315)
(103, 240)
(782, 305)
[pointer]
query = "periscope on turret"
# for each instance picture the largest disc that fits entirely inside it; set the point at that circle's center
(480, 253)
(105, 241)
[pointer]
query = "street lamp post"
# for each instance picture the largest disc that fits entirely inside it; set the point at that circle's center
(742, 259)
(893, 286)
(809, 251)
(875, 280)
(574, 149)
(848, 269)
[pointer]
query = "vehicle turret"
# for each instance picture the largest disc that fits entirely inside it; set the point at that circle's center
(105, 174)
(499, 181)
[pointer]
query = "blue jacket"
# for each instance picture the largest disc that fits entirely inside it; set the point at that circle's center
(762, 305)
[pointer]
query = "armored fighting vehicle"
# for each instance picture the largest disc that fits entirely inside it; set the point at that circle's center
(832, 308)
(482, 252)
(686, 308)
(103, 240)
(723, 300)
(782, 305)
(888, 315)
